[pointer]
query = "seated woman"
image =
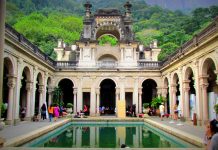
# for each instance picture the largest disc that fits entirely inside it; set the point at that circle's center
(85, 110)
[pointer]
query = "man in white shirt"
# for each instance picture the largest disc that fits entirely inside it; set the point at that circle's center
(161, 108)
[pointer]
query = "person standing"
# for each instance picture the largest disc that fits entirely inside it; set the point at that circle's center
(43, 111)
(56, 112)
(161, 108)
(50, 112)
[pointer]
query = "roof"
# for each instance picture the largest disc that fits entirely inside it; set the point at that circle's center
(108, 12)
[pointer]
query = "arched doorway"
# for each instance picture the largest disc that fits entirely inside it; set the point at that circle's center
(107, 96)
(176, 99)
(189, 78)
(166, 95)
(23, 93)
(66, 86)
(38, 92)
(7, 86)
(149, 91)
(208, 71)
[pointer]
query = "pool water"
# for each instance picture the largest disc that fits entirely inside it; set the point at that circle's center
(108, 135)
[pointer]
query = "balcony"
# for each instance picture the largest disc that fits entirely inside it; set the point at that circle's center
(149, 64)
(66, 64)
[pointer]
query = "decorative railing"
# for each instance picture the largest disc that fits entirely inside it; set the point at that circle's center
(107, 64)
(28, 45)
(149, 64)
(66, 64)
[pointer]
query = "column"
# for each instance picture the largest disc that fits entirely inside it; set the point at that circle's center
(140, 100)
(79, 94)
(122, 89)
(11, 84)
(164, 94)
(50, 94)
(158, 91)
(98, 100)
(2, 40)
(185, 101)
(117, 98)
(41, 89)
(35, 71)
(173, 97)
(18, 86)
(135, 94)
(74, 101)
(93, 99)
(28, 90)
(121, 54)
(204, 85)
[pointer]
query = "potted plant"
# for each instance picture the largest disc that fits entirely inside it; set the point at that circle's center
(156, 102)
(3, 109)
(216, 109)
(145, 108)
(69, 107)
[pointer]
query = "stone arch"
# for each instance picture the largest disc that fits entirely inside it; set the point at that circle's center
(8, 85)
(8, 61)
(149, 90)
(189, 92)
(209, 94)
(48, 91)
(40, 77)
(107, 28)
(66, 86)
(23, 102)
(206, 64)
(103, 78)
(175, 78)
(61, 78)
(107, 56)
(166, 82)
(107, 96)
(142, 80)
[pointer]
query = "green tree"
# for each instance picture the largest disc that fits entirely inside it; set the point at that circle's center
(166, 50)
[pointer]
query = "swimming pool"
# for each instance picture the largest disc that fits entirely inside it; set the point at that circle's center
(108, 135)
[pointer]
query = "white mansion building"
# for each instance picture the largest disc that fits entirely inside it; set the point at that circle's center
(104, 75)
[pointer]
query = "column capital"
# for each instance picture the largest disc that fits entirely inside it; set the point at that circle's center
(117, 90)
(29, 85)
(41, 88)
(11, 81)
(97, 90)
(186, 81)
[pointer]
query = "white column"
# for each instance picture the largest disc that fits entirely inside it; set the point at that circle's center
(122, 89)
(93, 102)
(28, 107)
(11, 84)
(172, 97)
(135, 94)
(35, 70)
(121, 58)
(140, 100)
(204, 85)
(41, 89)
(79, 95)
(50, 90)
(2, 40)
(18, 86)
(75, 101)
(185, 101)
(98, 100)
(117, 98)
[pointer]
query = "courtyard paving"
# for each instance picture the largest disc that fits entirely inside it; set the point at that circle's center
(15, 135)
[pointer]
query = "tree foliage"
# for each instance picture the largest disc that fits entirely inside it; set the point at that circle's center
(43, 22)
(107, 39)
(45, 31)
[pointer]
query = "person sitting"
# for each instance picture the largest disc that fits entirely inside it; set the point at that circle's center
(35, 117)
(85, 110)
(77, 115)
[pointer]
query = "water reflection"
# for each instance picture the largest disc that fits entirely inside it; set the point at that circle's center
(134, 136)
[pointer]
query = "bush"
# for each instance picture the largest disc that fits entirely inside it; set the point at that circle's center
(145, 105)
(216, 108)
(157, 101)
(69, 105)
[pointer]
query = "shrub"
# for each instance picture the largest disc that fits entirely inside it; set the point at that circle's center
(69, 105)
